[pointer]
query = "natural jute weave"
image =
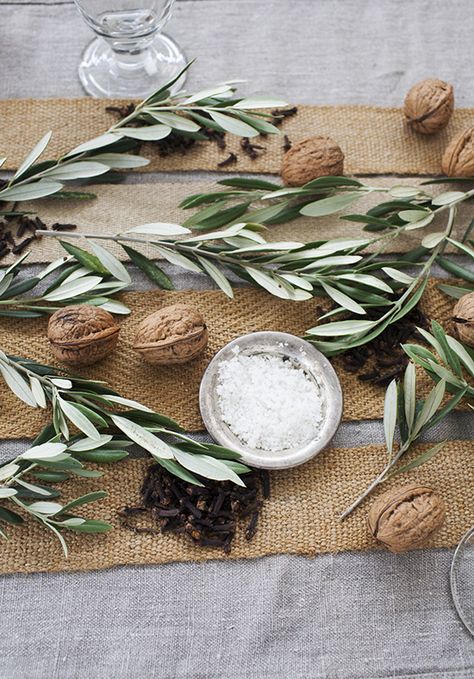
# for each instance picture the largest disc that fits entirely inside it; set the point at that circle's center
(301, 516)
(173, 390)
(374, 140)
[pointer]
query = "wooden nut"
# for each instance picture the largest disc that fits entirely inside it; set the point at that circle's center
(463, 317)
(458, 159)
(174, 334)
(405, 517)
(82, 334)
(311, 158)
(429, 105)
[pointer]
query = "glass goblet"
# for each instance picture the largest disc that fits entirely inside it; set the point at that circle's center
(130, 58)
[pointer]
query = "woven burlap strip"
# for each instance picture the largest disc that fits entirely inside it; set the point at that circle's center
(118, 208)
(301, 516)
(374, 140)
(173, 390)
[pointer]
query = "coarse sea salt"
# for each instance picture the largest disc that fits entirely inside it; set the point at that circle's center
(268, 401)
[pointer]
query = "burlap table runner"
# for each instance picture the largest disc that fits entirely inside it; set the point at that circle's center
(301, 516)
(173, 390)
(374, 140)
(121, 207)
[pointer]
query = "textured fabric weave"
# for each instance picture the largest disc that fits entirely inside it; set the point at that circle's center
(374, 140)
(301, 516)
(173, 390)
(118, 208)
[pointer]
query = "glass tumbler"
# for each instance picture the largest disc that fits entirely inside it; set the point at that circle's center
(130, 58)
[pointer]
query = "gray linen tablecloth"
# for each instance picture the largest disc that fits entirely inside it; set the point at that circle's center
(347, 616)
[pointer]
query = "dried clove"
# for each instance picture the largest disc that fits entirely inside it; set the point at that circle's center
(230, 160)
(280, 114)
(207, 515)
(19, 247)
(217, 136)
(63, 227)
(286, 143)
(252, 150)
(383, 359)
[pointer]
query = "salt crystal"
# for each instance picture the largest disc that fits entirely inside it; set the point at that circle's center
(268, 401)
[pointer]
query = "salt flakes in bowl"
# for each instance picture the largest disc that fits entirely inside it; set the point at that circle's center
(272, 397)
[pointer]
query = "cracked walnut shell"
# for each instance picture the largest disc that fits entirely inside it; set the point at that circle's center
(405, 517)
(458, 159)
(429, 105)
(463, 317)
(312, 158)
(174, 334)
(82, 334)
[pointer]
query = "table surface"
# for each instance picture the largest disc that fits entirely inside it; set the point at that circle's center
(347, 616)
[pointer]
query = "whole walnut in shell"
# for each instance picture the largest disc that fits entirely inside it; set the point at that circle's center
(82, 334)
(463, 317)
(405, 517)
(458, 159)
(174, 334)
(429, 105)
(312, 158)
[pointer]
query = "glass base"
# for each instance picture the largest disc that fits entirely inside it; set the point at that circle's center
(106, 73)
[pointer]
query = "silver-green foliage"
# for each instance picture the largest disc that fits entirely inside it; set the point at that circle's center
(153, 119)
(91, 407)
(79, 278)
(452, 369)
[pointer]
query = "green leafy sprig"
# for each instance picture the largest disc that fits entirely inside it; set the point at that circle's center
(413, 417)
(82, 278)
(94, 409)
(152, 120)
(339, 268)
(46, 464)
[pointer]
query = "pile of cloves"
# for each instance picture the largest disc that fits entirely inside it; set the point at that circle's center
(208, 515)
(383, 359)
(17, 232)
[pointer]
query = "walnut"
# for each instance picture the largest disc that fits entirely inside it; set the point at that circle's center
(174, 334)
(429, 105)
(463, 317)
(403, 518)
(82, 334)
(458, 159)
(311, 158)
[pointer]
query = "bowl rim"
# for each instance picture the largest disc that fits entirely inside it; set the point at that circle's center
(323, 372)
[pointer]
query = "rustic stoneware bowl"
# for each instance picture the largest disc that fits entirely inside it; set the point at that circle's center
(302, 354)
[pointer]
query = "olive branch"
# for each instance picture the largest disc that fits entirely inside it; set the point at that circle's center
(153, 119)
(53, 462)
(341, 269)
(91, 407)
(449, 368)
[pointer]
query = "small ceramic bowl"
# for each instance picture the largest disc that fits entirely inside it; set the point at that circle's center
(304, 355)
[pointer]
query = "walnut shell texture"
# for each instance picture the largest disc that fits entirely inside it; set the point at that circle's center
(405, 517)
(458, 159)
(174, 334)
(82, 334)
(463, 317)
(429, 105)
(311, 158)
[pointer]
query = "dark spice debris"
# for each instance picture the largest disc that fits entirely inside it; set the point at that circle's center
(207, 515)
(383, 359)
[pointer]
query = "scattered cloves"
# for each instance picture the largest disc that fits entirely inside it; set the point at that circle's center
(207, 515)
(230, 160)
